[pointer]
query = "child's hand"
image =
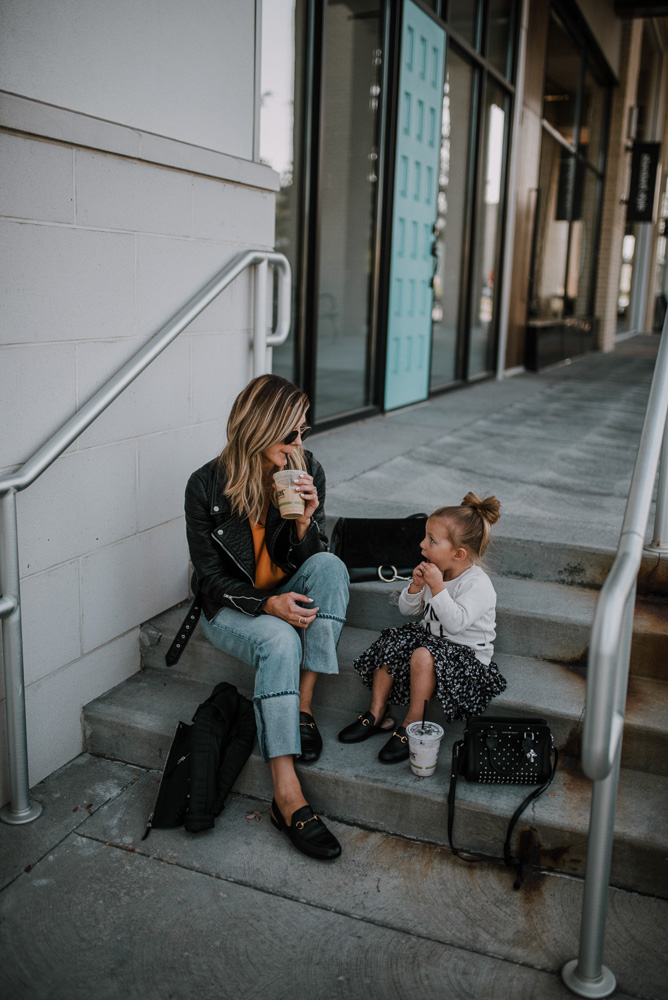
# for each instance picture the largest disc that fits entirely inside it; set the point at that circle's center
(417, 581)
(432, 576)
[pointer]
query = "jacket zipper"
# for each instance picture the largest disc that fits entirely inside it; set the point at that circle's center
(234, 559)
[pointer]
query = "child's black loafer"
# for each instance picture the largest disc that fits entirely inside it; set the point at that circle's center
(362, 728)
(396, 748)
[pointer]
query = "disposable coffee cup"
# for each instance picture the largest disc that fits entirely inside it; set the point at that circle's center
(423, 746)
(290, 504)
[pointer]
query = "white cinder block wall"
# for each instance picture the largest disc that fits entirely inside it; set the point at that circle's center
(127, 143)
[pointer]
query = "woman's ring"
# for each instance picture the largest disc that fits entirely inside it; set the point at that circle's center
(301, 621)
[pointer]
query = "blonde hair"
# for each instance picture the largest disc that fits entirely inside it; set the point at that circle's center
(262, 414)
(468, 525)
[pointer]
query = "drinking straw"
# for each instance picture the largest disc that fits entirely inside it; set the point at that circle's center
(424, 716)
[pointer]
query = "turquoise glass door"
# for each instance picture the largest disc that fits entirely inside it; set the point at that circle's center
(414, 208)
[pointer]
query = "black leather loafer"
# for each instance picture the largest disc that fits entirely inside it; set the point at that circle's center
(307, 832)
(310, 737)
(396, 748)
(362, 728)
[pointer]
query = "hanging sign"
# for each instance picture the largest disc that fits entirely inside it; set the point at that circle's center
(642, 196)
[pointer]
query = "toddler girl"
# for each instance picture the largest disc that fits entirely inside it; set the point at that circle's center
(450, 649)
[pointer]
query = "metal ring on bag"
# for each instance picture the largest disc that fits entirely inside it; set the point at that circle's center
(395, 575)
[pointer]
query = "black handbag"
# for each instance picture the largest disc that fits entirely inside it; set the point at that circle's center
(380, 548)
(503, 751)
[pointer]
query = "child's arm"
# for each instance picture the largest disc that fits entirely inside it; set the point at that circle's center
(471, 602)
(412, 597)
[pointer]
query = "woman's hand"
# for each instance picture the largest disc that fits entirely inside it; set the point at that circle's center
(285, 606)
(309, 495)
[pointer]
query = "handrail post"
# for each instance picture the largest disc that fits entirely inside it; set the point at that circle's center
(19, 809)
(659, 541)
(260, 319)
(586, 975)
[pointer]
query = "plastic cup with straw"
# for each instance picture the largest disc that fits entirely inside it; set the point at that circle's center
(424, 740)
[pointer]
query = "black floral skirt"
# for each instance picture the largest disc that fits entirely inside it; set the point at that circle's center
(464, 685)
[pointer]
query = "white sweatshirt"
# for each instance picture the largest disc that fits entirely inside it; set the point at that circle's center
(464, 611)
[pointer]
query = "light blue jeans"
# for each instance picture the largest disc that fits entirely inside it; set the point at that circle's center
(278, 651)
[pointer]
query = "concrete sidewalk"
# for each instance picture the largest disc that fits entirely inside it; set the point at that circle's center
(557, 449)
(89, 909)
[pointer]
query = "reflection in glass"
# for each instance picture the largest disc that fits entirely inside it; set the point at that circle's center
(349, 175)
(451, 219)
(625, 279)
(281, 106)
(592, 118)
(549, 274)
(498, 48)
(561, 81)
(485, 267)
(581, 263)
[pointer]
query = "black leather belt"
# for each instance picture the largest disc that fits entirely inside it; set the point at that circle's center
(184, 633)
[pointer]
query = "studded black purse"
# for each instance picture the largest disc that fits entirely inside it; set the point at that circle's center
(503, 751)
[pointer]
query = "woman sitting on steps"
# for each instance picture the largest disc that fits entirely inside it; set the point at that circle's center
(271, 593)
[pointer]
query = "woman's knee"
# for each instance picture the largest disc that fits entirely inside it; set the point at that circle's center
(328, 566)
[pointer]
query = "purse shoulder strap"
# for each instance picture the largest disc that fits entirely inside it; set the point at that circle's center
(512, 861)
(457, 752)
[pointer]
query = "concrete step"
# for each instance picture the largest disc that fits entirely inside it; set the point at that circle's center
(535, 618)
(549, 690)
(135, 722)
(547, 621)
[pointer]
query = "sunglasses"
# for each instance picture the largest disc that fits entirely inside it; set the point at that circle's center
(293, 435)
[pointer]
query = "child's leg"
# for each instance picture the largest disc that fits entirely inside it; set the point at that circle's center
(382, 685)
(370, 722)
(423, 683)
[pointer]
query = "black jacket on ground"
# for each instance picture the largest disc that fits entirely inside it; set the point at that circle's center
(221, 543)
(204, 761)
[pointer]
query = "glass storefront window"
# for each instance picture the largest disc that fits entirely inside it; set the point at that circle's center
(498, 48)
(463, 18)
(486, 259)
(281, 110)
(348, 201)
(451, 222)
(561, 81)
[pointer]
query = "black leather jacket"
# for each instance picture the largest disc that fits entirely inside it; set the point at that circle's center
(221, 543)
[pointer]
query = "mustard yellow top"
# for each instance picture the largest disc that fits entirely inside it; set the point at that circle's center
(268, 575)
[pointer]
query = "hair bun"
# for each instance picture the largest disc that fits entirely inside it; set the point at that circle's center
(488, 508)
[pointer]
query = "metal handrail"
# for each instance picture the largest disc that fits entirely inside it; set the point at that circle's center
(20, 809)
(607, 680)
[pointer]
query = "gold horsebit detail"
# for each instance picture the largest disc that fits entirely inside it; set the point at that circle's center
(300, 824)
(404, 739)
(311, 725)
